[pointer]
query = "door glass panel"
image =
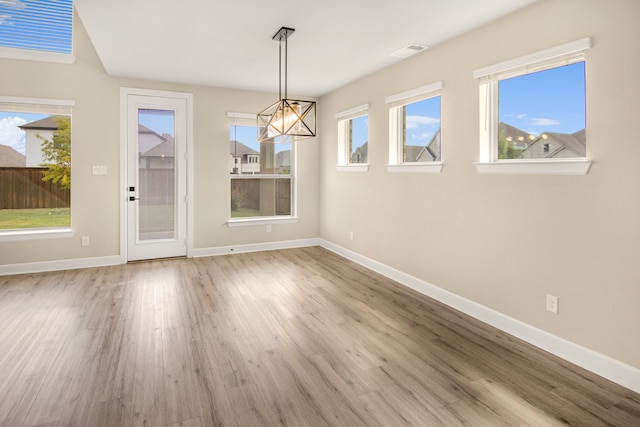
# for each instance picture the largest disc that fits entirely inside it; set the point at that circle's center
(156, 175)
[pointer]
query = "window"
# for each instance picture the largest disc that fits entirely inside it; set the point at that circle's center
(533, 113)
(35, 165)
(414, 129)
(353, 138)
(38, 30)
(261, 184)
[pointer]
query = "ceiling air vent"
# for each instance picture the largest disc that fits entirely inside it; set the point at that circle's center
(408, 51)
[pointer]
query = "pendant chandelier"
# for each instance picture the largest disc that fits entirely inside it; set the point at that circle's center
(286, 118)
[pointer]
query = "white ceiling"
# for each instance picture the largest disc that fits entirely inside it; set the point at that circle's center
(228, 43)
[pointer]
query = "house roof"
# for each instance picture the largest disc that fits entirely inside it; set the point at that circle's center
(164, 149)
(431, 151)
(9, 157)
(512, 133)
(575, 142)
(238, 149)
(48, 123)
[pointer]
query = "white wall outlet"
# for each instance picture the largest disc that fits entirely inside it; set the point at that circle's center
(268, 228)
(351, 235)
(85, 241)
(552, 303)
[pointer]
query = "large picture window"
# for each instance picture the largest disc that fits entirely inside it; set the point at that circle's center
(35, 164)
(533, 112)
(261, 184)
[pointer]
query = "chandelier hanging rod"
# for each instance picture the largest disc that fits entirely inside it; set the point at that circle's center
(282, 35)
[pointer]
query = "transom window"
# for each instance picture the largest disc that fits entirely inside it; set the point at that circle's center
(37, 29)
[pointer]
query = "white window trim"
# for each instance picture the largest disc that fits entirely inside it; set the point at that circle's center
(37, 55)
(249, 119)
(47, 106)
(247, 222)
(489, 78)
(344, 155)
(15, 235)
(395, 146)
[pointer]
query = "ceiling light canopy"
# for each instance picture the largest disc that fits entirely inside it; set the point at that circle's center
(286, 118)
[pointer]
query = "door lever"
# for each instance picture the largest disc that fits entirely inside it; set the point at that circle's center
(133, 198)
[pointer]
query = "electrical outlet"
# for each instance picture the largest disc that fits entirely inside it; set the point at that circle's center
(268, 228)
(85, 241)
(351, 235)
(552, 303)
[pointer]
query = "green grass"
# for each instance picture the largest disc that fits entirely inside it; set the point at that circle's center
(34, 218)
(156, 218)
(244, 212)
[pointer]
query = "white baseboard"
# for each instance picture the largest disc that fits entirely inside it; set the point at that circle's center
(254, 247)
(65, 264)
(605, 366)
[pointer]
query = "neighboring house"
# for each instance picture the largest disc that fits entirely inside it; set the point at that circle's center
(431, 151)
(10, 158)
(519, 139)
(156, 151)
(361, 154)
(35, 133)
(557, 145)
(243, 159)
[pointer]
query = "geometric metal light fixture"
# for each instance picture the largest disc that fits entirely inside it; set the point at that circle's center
(286, 118)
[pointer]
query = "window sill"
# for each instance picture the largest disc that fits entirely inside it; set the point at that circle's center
(35, 55)
(247, 222)
(435, 167)
(353, 168)
(536, 167)
(36, 234)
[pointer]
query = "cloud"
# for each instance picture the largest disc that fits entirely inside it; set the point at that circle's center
(545, 122)
(416, 121)
(424, 136)
(10, 133)
(517, 116)
(521, 116)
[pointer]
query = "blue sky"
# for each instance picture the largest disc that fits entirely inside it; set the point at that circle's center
(546, 101)
(248, 136)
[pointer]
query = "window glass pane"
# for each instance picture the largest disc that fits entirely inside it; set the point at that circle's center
(156, 174)
(358, 139)
(542, 115)
(248, 156)
(421, 137)
(260, 197)
(35, 170)
(37, 25)
(255, 192)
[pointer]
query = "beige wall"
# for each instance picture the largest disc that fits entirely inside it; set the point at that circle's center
(96, 141)
(504, 241)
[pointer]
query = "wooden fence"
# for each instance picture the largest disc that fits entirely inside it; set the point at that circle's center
(23, 188)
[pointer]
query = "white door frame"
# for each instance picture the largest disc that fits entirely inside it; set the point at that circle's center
(124, 199)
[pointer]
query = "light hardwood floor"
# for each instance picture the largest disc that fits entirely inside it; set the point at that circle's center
(297, 337)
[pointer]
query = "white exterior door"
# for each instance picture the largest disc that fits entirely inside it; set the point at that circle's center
(156, 179)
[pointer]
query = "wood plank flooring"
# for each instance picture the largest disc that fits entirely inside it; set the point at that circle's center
(298, 337)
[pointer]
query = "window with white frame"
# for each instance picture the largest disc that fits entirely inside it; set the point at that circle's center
(353, 136)
(35, 165)
(533, 112)
(414, 127)
(261, 174)
(37, 30)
